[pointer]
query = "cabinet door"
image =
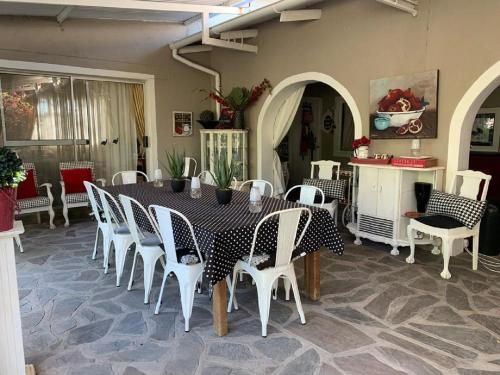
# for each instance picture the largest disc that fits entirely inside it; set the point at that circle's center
(368, 191)
(387, 194)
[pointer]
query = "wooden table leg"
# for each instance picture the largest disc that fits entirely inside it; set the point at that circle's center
(312, 275)
(219, 308)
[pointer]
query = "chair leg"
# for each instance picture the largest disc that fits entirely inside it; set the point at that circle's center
(293, 280)
(232, 292)
(264, 290)
(65, 214)
(288, 285)
(106, 249)
(51, 218)
(131, 280)
(475, 251)
(187, 288)
(160, 296)
(38, 218)
(411, 239)
(121, 248)
(446, 259)
(435, 242)
(19, 243)
(275, 289)
(230, 288)
(241, 276)
(149, 272)
(94, 254)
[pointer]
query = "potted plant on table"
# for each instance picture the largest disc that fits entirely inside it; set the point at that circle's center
(11, 174)
(360, 147)
(239, 99)
(223, 175)
(175, 168)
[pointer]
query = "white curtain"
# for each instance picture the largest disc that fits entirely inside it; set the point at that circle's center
(113, 141)
(284, 119)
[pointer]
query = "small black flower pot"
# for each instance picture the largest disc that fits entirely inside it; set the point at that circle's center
(224, 195)
(178, 185)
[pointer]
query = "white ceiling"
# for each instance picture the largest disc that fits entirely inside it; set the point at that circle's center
(39, 10)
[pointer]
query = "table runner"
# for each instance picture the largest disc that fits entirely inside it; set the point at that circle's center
(225, 232)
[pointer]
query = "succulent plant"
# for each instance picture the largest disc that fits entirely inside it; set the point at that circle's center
(224, 172)
(207, 115)
(175, 165)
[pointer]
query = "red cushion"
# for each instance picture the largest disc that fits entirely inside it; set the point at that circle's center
(73, 179)
(27, 188)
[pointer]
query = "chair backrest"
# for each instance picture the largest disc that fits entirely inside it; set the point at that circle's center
(206, 178)
(112, 211)
(165, 216)
(265, 187)
(288, 223)
(187, 166)
(128, 177)
(129, 206)
(31, 167)
(471, 184)
(77, 165)
(93, 193)
(307, 194)
(325, 169)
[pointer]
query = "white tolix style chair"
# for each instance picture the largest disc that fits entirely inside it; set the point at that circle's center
(307, 195)
(265, 279)
(265, 187)
(188, 171)
(453, 217)
(206, 178)
(127, 177)
(98, 212)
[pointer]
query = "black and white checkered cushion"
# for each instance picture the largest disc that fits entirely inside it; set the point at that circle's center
(77, 198)
(331, 188)
(27, 203)
(467, 211)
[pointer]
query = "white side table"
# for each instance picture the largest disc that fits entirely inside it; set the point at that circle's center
(11, 337)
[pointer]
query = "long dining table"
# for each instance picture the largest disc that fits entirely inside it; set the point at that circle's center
(225, 232)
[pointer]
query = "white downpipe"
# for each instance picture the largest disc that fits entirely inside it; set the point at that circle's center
(201, 68)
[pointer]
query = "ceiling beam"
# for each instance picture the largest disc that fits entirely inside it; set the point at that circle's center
(300, 15)
(194, 49)
(63, 14)
(138, 5)
(408, 6)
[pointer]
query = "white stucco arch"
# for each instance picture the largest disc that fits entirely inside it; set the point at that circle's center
(273, 103)
(463, 119)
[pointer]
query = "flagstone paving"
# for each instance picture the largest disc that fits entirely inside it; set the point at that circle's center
(377, 315)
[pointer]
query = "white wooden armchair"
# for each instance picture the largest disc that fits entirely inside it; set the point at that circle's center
(79, 198)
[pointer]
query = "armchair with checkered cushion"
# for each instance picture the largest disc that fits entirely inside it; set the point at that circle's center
(40, 202)
(75, 199)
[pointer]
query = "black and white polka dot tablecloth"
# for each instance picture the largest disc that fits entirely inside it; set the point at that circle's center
(225, 232)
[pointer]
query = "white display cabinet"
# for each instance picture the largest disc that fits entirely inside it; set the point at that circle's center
(382, 194)
(232, 143)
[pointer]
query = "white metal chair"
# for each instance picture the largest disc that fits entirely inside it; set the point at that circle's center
(469, 188)
(288, 224)
(187, 266)
(98, 212)
(119, 231)
(307, 195)
(265, 187)
(325, 169)
(76, 199)
(128, 177)
(206, 178)
(187, 167)
(147, 245)
(41, 203)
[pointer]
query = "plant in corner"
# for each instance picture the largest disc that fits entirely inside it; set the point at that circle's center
(11, 174)
(223, 175)
(175, 169)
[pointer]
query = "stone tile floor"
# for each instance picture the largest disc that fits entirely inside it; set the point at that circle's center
(377, 315)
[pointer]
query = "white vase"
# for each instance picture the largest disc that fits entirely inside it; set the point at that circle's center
(361, 152)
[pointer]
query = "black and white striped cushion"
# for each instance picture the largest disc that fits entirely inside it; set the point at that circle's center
(331, 188)
(467, 211)
(35, 202)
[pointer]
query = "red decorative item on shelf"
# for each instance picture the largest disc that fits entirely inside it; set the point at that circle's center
(414, 162)
(7, 207)
(363, 141)
(370, 161)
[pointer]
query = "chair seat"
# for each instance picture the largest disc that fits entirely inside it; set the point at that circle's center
(77, 198)
(35, 202)
(259, 261)
(122, 229)
(187, 256)
(151, 239)
(440, 221)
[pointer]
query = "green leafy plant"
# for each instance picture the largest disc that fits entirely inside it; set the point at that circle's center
(175, 165)
(207, 115)
(224, 172)
(11, 169)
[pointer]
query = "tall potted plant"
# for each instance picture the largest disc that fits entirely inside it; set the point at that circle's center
(175, 168)
(11, 174)
(223, 175)
(239, 99)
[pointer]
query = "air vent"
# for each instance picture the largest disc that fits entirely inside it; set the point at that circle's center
(376, 226)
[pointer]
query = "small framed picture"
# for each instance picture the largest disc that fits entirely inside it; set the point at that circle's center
(183, 123)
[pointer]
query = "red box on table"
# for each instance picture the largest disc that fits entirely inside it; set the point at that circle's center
(414, 162)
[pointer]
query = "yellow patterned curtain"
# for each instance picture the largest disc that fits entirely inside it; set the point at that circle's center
(138, 98)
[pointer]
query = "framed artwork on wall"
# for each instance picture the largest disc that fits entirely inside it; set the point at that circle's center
(404, 106)
(182, 123)
(485, 136)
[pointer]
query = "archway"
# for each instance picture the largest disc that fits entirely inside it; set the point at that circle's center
(463, 119)
(272, 105)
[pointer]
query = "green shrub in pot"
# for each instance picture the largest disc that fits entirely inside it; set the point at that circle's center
(175, 168)
(223, 175)
(11, 175)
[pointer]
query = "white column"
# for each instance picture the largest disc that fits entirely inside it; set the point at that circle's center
(11, 335)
